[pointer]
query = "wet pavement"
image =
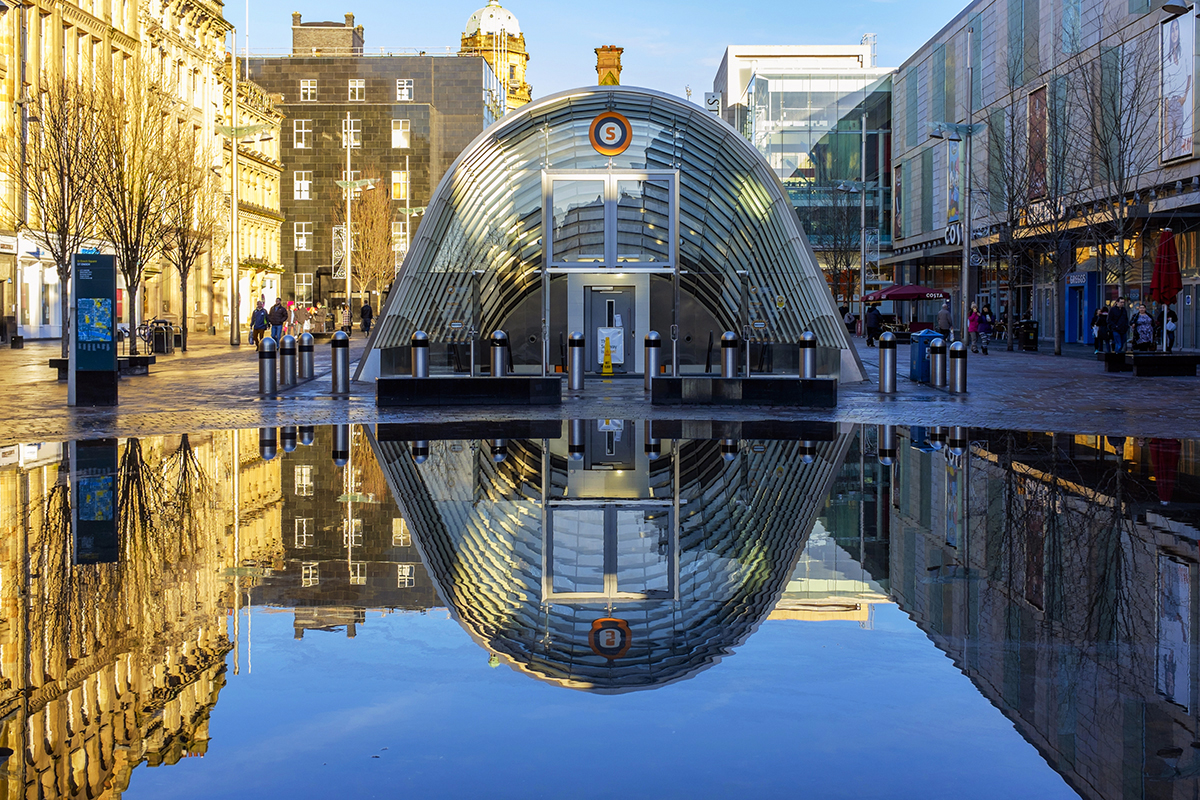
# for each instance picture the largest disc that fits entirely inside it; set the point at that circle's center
(865, 612)
(215, 386)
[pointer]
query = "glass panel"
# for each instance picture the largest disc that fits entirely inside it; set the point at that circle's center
(578, 220)
(643, 221)
(643, 550)
(578, 550)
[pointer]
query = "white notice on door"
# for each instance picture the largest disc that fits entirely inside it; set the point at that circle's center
(616, 344)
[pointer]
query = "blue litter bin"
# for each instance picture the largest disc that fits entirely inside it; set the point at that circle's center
(918, 355)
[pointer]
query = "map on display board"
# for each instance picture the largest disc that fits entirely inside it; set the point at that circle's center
(95, 319)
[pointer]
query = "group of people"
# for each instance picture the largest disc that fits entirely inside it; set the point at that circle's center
(295, 318)
(1113, 327)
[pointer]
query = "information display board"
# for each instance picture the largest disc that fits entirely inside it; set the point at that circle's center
(93, 374)
(94, 501)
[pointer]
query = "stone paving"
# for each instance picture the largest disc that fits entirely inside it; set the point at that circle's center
(214, 386)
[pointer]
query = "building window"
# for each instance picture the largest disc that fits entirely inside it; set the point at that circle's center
(302, 186)
(358, 573)
(512, 73)
(400, 184)
(304, 532)
(304, 284)
(400, 132)
(404, 91)
(352, 533)
(308, 91)
(357, 90)
(310, 573)
(406, 576)
(304, 481)
(400, 535)
(302, 134)
(400, 235)
(353, 127)
(304, 235)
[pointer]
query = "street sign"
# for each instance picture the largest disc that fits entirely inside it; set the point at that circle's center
(92, 378)
(712, 102)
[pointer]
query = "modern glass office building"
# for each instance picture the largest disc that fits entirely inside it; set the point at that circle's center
(613, 211)
(804, 109)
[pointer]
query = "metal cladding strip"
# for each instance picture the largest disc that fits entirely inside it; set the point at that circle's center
(477, 525)
(486, 215)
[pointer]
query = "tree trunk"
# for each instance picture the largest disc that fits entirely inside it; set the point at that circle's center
(64, 302)
(133, 318)
(1058, 337)
(184, 315)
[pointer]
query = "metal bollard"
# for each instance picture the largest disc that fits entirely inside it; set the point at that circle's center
(341, 444)
(937, 363)
(958, 440)
(653, 357)
(729, 449)
(499, 354)
(287, 438)
(267, 443)
(341, 362)
(420, 354)
(499, 450)
(307, 357)
(266, 366)
(887, 363)
(729, 354)
(308, 435)
(808, 355)
(287, 361)
(653, 446)
(575, 440)
(887, 445)
(576, 353)
(937, 438)
(808, 451)
(958, 368)
(420, 449)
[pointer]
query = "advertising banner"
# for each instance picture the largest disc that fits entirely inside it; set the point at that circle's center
(1178, 86)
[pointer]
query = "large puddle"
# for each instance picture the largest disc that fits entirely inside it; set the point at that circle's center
(601, 608)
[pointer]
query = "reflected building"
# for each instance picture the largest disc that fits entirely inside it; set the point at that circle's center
(619, 559)
(1059, 573)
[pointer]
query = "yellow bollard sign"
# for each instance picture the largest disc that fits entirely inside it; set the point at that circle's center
(607, 368)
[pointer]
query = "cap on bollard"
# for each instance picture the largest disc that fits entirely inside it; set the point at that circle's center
(653, 339)
(267, 348)
(420, 339)
(576, 339)
(499, 338)
(729, 339)
(808, 339)
(339, 339)
(888, 341)
(306, 342)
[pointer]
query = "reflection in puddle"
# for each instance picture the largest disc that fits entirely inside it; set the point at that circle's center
(1058, 573)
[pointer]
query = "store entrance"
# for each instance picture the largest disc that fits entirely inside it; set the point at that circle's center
(609, 322)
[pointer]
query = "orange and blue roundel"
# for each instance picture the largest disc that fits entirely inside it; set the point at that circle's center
(609, 637)
(610, 133)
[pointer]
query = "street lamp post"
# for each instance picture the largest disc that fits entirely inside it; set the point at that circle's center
(862, 226)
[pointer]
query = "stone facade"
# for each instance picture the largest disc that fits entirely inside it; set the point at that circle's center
(608, 65)
(326, 38)
(494, 34)
(411, 114)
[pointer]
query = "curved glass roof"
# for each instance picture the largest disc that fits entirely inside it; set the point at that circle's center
(741, 528)
(486, 216)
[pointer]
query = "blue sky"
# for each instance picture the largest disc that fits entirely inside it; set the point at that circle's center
(668, 44)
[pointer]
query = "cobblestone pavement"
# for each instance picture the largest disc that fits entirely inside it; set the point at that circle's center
(214, 386)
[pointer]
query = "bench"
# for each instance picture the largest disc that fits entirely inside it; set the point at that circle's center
(1155, 365)
(1113, 362)
(63, 365)
(135, 365)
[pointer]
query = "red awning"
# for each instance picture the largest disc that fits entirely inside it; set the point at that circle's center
(907, 293)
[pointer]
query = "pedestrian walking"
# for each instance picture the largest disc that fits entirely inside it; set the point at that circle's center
(346, 326)
(258, 324)
(848, 319)
(1100, 336)
(945, 321)
(278, 317)
(984, 328)
(1172, 324)
(1143, 330)
(1118, 325)
(874, 322)
(365, 315)
(973, 328)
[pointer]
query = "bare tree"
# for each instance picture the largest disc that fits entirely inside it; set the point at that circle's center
(374, 261)
(1119, 84)
(193, 207)
(54, 166)
(835, 224)
(134, 175)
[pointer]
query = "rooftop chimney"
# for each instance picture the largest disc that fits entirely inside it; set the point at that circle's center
(608, 65)
(349, 20)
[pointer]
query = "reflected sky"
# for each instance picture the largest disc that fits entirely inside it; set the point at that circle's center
(839, 612)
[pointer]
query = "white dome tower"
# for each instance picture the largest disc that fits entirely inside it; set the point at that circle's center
(494, 33)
